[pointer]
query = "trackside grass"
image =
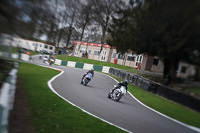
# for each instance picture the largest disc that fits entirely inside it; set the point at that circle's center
(192, 89)
(50, 113)
(167, 107)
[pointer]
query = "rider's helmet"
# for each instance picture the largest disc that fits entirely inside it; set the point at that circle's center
(92, 70)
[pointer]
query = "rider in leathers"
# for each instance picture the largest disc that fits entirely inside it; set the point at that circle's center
(125, 83)
(90, 71)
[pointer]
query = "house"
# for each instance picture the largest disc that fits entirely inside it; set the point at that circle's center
(154, 64)
(33, 45)
(142, 62)
(108, 54)
(92, 49)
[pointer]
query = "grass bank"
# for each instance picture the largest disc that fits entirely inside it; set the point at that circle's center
(49, 112)
(15, 50)
(192, 89)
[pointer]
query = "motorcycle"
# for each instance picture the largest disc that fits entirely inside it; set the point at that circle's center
(117, 93)
(51, 61)
(86, 79)
(45, 59)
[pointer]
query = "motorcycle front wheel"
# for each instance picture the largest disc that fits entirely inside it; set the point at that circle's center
(85, 82)
(118, 97)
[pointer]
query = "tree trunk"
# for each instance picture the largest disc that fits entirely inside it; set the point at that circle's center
(103, 34)
(173, 69)
(197, 76)
(166, 70)
(82, 33)
(69, 36)
(170, 68)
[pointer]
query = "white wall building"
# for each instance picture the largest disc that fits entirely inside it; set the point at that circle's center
(33, 45)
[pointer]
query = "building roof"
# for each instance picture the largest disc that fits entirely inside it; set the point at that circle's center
(93, 44)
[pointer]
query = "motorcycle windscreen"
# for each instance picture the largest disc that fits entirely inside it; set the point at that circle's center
(89, 75)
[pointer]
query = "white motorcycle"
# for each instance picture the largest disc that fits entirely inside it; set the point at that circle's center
(86, 79)
(117, 93)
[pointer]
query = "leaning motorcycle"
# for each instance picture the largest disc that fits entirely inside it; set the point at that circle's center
(51, 61)
(117, 93)
(86, 79)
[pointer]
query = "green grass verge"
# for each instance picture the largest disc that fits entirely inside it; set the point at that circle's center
(195, 90)
(90, 61)
(33, 53)
(49, 112)
(15, 50)
(165, 106)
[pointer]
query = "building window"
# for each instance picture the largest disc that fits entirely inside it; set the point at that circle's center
(120, 56)
(89, 51)
(183, 69)
(76, 53)
(103, 58)
(45, 46)
(96, 52)
(114, 55)
(131, 58)
(82, 50)
(40, 45)
(140, 59)
(77, 48)
(50, 47)
(155, 62)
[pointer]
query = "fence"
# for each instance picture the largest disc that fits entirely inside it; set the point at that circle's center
(7, 98)
(86, 66)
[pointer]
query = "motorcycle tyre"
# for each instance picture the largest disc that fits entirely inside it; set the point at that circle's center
(85, 83)
(117, 100)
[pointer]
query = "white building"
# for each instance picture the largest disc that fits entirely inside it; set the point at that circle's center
(33, 45)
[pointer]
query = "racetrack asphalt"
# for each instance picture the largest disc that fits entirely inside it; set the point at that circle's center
(127, 113)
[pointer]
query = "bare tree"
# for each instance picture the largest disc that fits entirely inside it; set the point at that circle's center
(103, 10)
(85, 18)
(72, 8)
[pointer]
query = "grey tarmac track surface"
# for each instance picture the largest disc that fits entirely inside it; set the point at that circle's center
(127, 113)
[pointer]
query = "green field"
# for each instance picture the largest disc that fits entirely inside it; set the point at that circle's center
(15, 50)
(50, 113)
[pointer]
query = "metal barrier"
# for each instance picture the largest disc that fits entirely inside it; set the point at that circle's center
(7, 98)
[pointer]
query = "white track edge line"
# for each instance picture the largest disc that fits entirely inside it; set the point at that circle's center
(179, 122)
(50, 86)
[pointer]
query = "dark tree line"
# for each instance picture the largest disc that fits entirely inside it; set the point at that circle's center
(168, 29)
(57, 20)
